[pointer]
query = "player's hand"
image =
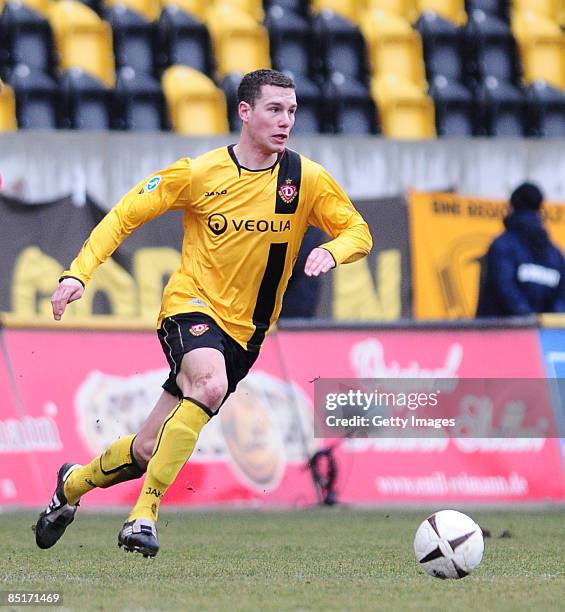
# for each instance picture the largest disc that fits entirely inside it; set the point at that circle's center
(319, 261)
(69, 290)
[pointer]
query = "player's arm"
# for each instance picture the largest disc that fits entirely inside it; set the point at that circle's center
(334, 213)
(150, 198)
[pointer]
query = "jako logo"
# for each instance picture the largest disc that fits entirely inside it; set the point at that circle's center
(218, 224)
(215, 193)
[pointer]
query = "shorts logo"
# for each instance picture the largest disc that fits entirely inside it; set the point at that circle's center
(152, 183)
(199, 329)
(288, 191)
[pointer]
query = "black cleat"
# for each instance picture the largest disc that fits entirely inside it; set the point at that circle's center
(139, 536)
(58, 515)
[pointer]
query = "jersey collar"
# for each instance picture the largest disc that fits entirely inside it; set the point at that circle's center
(240, 167)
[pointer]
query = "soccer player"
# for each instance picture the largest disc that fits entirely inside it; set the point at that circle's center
(246, 209)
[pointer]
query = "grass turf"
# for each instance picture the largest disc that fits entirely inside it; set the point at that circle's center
(318, 559)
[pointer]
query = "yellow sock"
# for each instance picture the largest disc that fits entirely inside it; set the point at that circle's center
(175, 442)
(116, 464)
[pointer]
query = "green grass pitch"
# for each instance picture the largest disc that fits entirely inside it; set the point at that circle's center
(315, 559)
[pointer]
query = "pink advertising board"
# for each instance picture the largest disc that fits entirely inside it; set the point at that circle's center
(88, 388)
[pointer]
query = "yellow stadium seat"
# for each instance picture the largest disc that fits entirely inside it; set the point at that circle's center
(8, 122)
(196, 8)
(240, 43)
(542, 47)
(404, 8)
(551, 9)
(350, 9)
(251, 7)
(452, 10)
(196, 106)
(150, 9)
(393, 46)
(83, 40)
(405, 111)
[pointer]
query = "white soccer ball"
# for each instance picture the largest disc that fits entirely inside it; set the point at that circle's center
(449, 544)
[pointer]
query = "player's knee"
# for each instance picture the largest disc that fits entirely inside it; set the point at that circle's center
(210, 392)
(208, 389)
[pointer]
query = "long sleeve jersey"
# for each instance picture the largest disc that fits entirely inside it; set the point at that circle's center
(242, 233)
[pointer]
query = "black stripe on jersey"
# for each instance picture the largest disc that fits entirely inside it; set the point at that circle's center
(290, 175)
(267, 295)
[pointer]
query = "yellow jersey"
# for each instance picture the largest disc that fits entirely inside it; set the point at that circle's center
(242, 233)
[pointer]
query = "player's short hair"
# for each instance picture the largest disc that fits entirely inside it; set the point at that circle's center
(249, 89)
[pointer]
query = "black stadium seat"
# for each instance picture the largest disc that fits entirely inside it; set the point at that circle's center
(455, 107)
(546, 110)
(134, 39)
(291, 43)
(87, 102)
(37, 98)
(26, 38)
(140, 102)
(183, 39)
(443, 46)
(502, 108)
(350, 108)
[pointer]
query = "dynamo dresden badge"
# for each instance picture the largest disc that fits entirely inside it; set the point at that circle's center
(199, 329)
(288, 191)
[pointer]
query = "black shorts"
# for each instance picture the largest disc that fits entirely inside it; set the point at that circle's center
(182, 333)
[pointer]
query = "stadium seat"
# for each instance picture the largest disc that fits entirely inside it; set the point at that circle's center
(195, 8)
(229, 85)
(310, 116)
(502, 108)
(26, 38)
(37, 98)
(455, 109)
(240, 43)
(550, 9)
(349, 9)
(254, 8)
(83, 40)
(542, 48)
(350, 108)
(133, 38)
(8, 121)
(443, 46)
(405, 112)
(96, 5)
(291, 41)
(498, 8)
(405, 8)
(149, 9)
(87, 102)
(394, 47)
(140, 103)
(452, 10)
(340, 47)
(300, 7)
(491, 49)
(546, 110)
(196, 106)
(183, 39)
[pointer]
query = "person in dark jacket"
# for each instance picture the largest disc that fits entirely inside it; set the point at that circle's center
(523, 271)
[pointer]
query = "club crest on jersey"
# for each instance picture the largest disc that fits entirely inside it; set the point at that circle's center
(152, 183)
(288, 191)
(199, 329)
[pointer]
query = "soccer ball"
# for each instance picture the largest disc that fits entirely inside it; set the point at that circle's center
(449, 544)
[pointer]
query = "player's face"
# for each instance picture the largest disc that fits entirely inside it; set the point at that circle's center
(269, 122)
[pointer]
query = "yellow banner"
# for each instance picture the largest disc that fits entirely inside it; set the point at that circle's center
(449, 234)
